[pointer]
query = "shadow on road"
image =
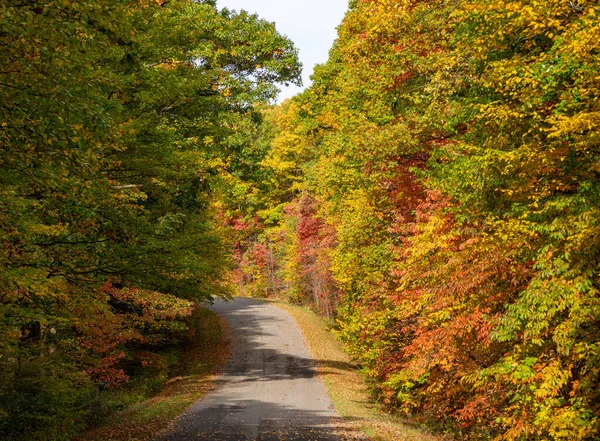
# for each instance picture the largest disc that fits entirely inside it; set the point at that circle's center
(249, 338)
(268, 391)
(282, 424)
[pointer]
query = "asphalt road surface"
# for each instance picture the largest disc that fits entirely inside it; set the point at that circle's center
(268, 391)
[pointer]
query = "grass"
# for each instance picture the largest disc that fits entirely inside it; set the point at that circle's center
(207, 352)
(346, 386)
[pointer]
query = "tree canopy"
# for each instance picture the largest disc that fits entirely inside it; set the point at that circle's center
(436, 192)
(116, 118)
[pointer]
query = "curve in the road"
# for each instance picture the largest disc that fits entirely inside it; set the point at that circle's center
(269, 390)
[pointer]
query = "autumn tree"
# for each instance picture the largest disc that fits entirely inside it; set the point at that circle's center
(450, 148)
(112, 131)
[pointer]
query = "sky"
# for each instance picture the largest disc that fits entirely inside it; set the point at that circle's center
(310, 24)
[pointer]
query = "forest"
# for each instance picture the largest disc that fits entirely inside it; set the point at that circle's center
(434, 194)
(113, 136)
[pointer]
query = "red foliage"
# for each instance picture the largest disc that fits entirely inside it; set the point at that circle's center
(119, 317)
(107, 373)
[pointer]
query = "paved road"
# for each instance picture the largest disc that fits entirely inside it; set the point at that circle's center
(268, 391)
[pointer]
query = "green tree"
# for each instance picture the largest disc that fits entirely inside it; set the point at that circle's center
(112, 131)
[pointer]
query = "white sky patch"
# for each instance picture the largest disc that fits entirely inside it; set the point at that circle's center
(310, 24)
